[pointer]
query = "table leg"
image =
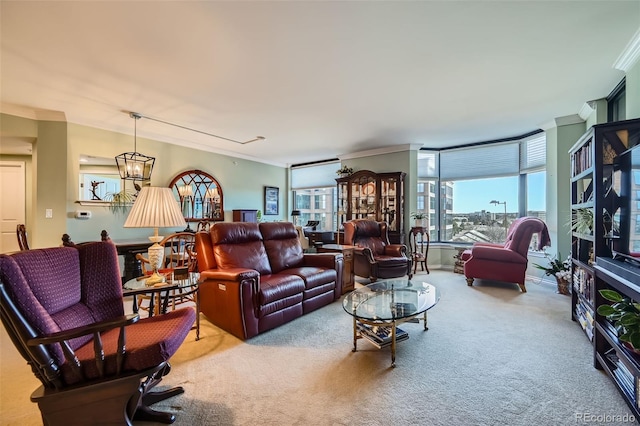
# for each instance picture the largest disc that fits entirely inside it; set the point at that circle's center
(355, 335)
(425, 321)
(393, 344)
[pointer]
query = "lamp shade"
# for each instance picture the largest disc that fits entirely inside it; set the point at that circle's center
(155, 207)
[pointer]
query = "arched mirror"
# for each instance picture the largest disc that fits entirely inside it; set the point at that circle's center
(200, 196)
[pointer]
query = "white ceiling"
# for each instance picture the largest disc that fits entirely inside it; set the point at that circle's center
(317, 79)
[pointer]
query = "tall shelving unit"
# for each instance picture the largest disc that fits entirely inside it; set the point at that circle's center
(586, 173)
(592, 197)
(376, 196)
(621, 364)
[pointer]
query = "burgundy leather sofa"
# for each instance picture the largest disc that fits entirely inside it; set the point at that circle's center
(506, 262)
(256, 276)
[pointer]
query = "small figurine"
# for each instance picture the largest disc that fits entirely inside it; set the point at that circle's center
(94, 186)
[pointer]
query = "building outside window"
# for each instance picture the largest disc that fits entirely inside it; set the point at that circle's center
(483, 188)
(314, 193)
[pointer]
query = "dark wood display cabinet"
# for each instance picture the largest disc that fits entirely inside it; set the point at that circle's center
(605, 185)
(244, 215)
(595, 203)
(377, 196)
(619, 362)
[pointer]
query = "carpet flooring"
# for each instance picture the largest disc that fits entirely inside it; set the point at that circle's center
(491, 356)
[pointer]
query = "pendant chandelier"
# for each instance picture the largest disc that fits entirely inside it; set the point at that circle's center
(133, 165)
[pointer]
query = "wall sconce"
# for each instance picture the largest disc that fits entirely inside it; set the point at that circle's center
(213, 197)
(133, 165)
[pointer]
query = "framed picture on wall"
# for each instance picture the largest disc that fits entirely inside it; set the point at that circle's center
(271, 200)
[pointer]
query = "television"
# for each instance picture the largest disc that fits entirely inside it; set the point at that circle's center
(623, 199)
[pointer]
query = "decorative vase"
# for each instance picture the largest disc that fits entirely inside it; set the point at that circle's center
(563, 286)
(419, 223)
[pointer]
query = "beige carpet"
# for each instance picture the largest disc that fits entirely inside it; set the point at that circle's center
(492, 356)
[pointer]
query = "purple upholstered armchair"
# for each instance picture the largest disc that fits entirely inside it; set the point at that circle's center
(506, 262)
(63, 309)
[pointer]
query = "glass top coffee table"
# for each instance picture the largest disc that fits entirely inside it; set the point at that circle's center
(379, 307)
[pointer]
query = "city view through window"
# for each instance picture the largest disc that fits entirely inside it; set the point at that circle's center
(478, 210)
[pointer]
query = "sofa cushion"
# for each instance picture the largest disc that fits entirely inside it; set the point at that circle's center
(274, 287)
(389, 261)
(239, 245)
(282, 245)
(313, 276)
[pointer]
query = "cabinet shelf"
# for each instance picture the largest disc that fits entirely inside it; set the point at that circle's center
(585, 205)
(583, 174)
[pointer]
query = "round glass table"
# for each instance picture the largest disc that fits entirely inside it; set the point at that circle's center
(160, 294)
(379, 307)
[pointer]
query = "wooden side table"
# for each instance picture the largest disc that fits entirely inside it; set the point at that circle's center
(348, 280)
(419, 246)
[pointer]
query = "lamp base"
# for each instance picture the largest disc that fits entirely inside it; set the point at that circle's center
(154, 279)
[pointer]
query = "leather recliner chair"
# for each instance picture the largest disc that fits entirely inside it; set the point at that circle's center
(374, 257)
(506, 262)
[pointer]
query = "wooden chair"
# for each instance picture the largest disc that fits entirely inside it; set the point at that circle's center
(96, 364)
(21, 232)
(179, 253)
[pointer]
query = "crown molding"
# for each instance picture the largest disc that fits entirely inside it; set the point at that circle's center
(381, 151)
(562, 121)
(586, 110)
(32, 113)
(629, 55)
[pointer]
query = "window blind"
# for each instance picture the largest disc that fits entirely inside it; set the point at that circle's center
(314, 175)
(533, 152)
(499, 159)
(427, 164)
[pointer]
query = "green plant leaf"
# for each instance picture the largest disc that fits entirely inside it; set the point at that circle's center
(611, 295)
(606, 310)
(634, 339)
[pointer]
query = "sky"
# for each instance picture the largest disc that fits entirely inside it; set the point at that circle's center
(472, 196)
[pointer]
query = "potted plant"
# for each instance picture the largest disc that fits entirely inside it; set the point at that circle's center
(344, 171)
(419, 218)
(560, 269)
(624, 313)
(119, 202)
(582, 220)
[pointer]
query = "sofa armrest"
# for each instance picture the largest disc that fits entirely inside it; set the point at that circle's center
(365, 252)
(496, 254)
(229, 298)
(231, 274)
(397, 250)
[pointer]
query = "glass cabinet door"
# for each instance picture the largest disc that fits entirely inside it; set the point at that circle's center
(363, 198)
(389, 202)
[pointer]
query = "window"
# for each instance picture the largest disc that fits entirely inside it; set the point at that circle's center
(482, 188)
(616, 103)
(314, 193)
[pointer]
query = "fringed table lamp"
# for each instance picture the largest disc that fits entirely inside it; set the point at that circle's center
(155, 207)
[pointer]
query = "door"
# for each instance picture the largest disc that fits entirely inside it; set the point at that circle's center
(12, 203)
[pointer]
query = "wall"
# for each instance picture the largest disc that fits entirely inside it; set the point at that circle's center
(633, 91)
(401, 161)
(242, 181)
(53, 173)
(49, 177)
